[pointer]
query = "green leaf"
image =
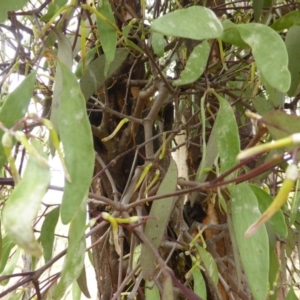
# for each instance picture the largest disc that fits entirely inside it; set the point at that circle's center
(23, 204)
(257, 8)
(228, 135)
(10, 266)
(254, 250)
(158, 44)
(94, 77)
(168, 288)
(47, 233)
(151, 291)
(209, 263)
(74, 259)
(291, 294)
(7, 245)
(82, 283)
(269, 53)
(231, 34)
(15, 107)
(161, 210)
(292, 43)
(76, 292)
(89, 58)
(195, 64)
(262, 105)
(64, 55)
(53, 7)
(6, 6)
(287, 21)
(107, 34)
(277, 221)
(76, 137)
(194, 22)
(199, 284)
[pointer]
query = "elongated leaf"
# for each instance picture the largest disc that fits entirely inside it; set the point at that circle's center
(287, 21)
(53, 7)
(209, 263)
(268, 50)
(77, 142)
(94, 77)
(199, 284)
(161, 210)
(82, 283)
(5, 6)
(231, 34)
(47, 233)
(10, 266)
(291, 294)
(257, 7)
(292, 43)
(107, 34)
(15, 107)
(228, 136)
(74, 259)
(151, 291)
(23, 204)
(195, 65)
(269, 53)
(7, 245)
(158, 44)
(168, 289)
(277, 221)
(194, 22)
(65, 56)
(254, 250)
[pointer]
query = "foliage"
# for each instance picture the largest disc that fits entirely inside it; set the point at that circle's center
(176, 127)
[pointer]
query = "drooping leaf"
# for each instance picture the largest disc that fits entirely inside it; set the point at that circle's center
(24, 202)
(268, 50)
(47, 233)
(64, 55)
(76, 292)
(292, 43)
(269, 53)
(82, 283)
(262, 105)
(10, 266)
(6, 6)
(74, 259)
(151, 291)
(76, 137)
(257, 8)
(168, 289)
(287, 21)
(245, 212)
(88, 59)
(194, 22)
(94, 77)
(7, 245)
(231, 34)
(228, 135)
(15, 107)
(209, 263)
(195, 64)
(155, 228)
(199, 284)
(158, 44)
(291, 294)
(53, 7)
(277, 221)
(107, 34)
